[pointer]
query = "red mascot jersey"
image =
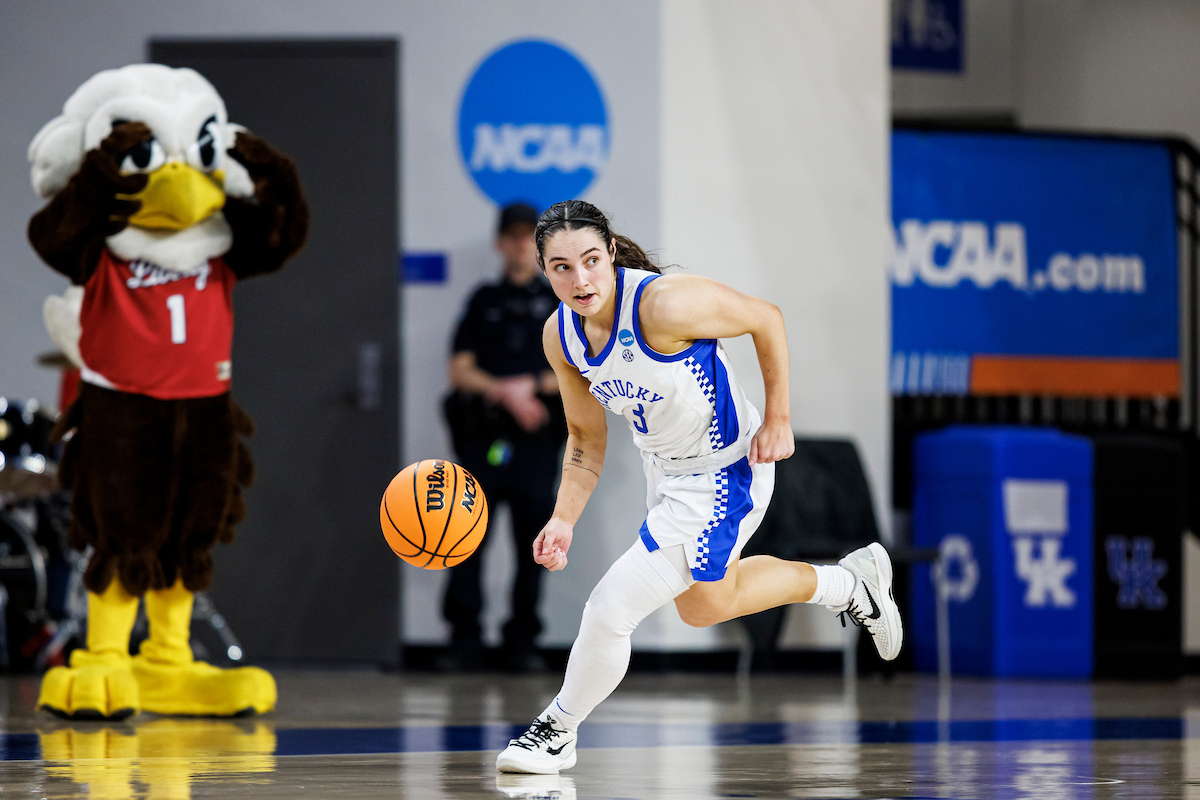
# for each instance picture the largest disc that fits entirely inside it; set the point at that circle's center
(151, 331)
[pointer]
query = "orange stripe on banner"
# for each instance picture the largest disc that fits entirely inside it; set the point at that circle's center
(1091, 377)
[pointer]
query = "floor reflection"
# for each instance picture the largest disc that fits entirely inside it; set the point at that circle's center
(537, 787)
(686, 737)
(159, 758)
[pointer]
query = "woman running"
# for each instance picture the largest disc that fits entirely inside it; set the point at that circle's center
(643, 345)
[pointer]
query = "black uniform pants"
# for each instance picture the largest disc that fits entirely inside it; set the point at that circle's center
(526, 484)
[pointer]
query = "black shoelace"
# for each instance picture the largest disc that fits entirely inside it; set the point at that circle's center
(854, 613)
(542, 730)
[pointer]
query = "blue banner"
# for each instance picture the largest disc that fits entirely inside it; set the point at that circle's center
(1031, 247)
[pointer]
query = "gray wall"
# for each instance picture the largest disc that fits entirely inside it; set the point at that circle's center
(1088, 65)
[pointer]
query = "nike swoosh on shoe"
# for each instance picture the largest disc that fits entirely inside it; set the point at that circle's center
(875, 613)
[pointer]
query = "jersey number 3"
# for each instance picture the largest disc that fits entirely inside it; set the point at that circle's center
(178, 319)
(640, 425)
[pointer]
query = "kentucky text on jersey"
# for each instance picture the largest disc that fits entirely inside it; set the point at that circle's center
(607, 390)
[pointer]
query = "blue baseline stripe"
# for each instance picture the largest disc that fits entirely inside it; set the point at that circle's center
(472, 738)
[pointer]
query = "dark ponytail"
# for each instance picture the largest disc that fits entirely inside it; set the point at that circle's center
(573, 215)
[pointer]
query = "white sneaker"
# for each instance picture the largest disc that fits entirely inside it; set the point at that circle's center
(544, 749)
(871, 604)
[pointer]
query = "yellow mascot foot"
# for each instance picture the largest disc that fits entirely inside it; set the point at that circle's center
(90, 691)
(99, 684)
(202, 690)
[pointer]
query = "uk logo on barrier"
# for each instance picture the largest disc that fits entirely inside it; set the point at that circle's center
(532, 125)
(1135, 570)
(1035, 514)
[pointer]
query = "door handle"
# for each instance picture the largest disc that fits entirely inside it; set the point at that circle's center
(370, 376)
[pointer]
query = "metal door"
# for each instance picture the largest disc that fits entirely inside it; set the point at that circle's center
(315, 356)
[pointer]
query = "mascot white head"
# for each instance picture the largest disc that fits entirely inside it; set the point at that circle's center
(189, 171)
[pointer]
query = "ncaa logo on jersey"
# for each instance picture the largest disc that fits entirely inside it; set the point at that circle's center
(625, 337)
(532, 125)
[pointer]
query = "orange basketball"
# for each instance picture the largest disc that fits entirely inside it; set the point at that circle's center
(434, 514)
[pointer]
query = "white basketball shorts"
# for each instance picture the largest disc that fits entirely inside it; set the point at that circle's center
(712, 514)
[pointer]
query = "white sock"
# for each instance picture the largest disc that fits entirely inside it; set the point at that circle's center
(629, 592)
(835, 584)
(561, 717)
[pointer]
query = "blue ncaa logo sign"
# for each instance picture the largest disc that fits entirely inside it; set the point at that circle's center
(625, 337)
(532, 125)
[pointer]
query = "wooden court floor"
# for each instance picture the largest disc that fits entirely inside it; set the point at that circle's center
(368, 735)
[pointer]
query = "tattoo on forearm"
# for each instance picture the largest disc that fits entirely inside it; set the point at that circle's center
(576, 460)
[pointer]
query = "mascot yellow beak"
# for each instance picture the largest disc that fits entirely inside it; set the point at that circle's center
(178, 196)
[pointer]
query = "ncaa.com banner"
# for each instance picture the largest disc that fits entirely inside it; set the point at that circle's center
(1031, 264)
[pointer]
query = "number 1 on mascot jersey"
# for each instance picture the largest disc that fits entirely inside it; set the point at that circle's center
(178, 319)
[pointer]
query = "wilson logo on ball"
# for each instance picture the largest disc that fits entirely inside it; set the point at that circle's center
(435, 498)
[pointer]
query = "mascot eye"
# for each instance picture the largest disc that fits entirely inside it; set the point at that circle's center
(143, 157)
(203, 154)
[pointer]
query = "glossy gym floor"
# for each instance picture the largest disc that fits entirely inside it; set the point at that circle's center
(411, 735)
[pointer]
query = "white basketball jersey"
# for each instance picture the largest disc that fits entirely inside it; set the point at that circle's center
(683, 405)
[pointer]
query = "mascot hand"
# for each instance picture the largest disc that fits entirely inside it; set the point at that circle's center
(275, 224)
(100, 179)
(70, 231)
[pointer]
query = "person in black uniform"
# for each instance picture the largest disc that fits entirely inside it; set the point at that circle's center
(507, 424)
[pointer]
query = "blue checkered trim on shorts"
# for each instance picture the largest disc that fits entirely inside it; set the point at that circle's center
(719, 513)
(721, 508)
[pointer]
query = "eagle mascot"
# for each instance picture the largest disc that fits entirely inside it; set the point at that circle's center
(157, 206)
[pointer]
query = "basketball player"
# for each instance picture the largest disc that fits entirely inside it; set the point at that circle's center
(628, 340)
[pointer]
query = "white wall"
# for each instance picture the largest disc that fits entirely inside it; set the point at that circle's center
(47, 50)
(775, 180)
